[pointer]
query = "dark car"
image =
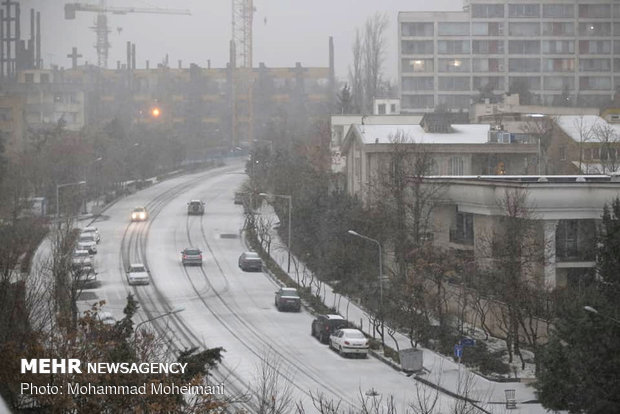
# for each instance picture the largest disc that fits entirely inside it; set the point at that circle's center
(191, 256)
(196, 207)
(250, 261)
(287, 298)
(324, 325)
(239, 198)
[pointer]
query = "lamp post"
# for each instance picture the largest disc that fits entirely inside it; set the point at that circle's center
(290, 213)
(356, 234)
(592, 310)
(86, 171)
(163, 315)
(58, 187)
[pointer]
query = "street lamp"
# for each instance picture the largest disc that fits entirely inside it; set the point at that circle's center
(86, 174)
(58, 187)
(163, 315)
(290, 213)
(356, 234)
(592, 310)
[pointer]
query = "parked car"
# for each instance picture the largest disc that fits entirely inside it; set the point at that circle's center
(191, 255)
(287, 298)
(139, 214)
(87, 242)
(80, 259)
(239, 198)
(324, 325)
(349, 342)
(196, 207)
(250, 261)
(137, 274)
(92, 231)
(86, 278)
(106, 318)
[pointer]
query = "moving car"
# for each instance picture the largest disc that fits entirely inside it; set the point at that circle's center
(106, 318)
(139, 214)
(80, 259)
(287, 298)
(137, 274)
(191, 255)
(87, 241)
(250, 261)
(349, 342)
(196, 207)
(324, 325)
(92, 231)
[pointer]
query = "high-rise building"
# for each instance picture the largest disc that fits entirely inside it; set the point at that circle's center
(552, 52)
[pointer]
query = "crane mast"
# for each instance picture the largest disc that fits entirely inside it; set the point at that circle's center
(241, 65)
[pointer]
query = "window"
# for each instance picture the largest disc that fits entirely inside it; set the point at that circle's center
(524, 65)
(595, 29)
(495, 82)
(617, 27)
(487, 10)
(453, 46)
(595, 47)
(563, 153)
(417, 65)
(523, 47)
(418, 84)
(486, 47)
(454, 83)
(487, 29)
(417, 47)
(45, 78)
(523, 10)
(392, 108)
(575, 240)
(595, 65)
(418, 101)
(558, 46)
(455, 166)
(29, 78)
(417, 29)
(464, 231)
(453, 29)
(381, 109)
(559, 83)
(617, 47)
(558, 10)
(454, 65)
(524, 29)
(599, 83)
(488, 65)
(594, 10)
(558, 28)
(559, 65)
(529, 82)
(455, 101)
(616, 65)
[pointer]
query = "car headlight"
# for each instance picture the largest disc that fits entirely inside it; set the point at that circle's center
(142, 216)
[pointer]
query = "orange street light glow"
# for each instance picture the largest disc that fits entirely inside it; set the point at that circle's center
(155, 112)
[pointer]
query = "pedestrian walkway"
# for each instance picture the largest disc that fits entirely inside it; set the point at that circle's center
(441, 371)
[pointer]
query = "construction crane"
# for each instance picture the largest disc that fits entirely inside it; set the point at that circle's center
(101, 23)
(241, 65)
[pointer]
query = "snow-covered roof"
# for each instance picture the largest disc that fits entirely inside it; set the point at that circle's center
(596, 168)
(581, 128)
(462, 134)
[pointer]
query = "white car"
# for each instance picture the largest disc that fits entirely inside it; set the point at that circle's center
(92, 231)
(87, 241)
(137, 274)
(349, 342)
(106, 318)
(139, 214)
(80, 260)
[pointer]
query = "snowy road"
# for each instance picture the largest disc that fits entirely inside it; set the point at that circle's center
(225, 306)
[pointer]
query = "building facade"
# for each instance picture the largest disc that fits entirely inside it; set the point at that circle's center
(557, 50)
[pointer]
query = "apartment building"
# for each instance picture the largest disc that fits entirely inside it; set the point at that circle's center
(558, 50)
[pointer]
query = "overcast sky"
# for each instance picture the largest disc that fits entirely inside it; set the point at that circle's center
(285, 31)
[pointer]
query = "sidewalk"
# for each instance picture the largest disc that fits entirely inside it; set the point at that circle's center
(442, 371)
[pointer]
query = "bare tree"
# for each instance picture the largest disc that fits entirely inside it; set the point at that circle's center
(356, 74)
(374, 55)
(609, 140)
(273, 391)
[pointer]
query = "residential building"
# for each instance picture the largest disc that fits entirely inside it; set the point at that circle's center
(386, 106)
(12, 123)
(566, 211)
(551, 50)
(456, 150)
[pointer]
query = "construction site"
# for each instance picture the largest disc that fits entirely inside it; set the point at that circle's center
(208, 107)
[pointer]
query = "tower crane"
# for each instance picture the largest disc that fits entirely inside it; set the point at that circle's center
(241, 65)
(101, 23)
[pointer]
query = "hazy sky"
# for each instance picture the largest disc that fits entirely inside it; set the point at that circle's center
(285, 31)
